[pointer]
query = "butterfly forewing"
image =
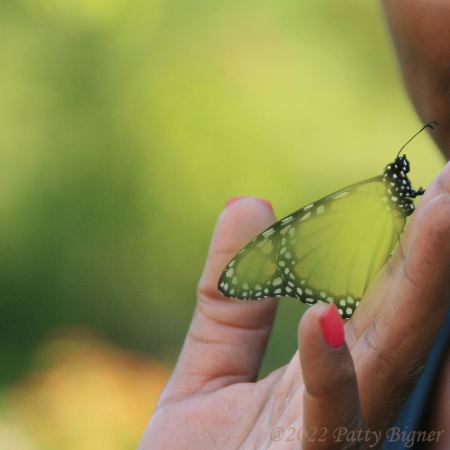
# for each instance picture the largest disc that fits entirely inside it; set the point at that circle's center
(329, 250)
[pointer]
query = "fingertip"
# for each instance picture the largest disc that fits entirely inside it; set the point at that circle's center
(234, 200)
(242, 219)
(331, 394)
(320, 330)
(332, 327)
(238, 223)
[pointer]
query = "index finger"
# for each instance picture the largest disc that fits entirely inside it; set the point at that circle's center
(227, 338)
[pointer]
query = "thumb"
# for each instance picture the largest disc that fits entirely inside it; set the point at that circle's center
(332, 413)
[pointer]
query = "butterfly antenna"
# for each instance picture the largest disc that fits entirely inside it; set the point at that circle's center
(431, 125)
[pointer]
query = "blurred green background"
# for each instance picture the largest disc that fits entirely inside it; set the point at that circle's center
(124, 128)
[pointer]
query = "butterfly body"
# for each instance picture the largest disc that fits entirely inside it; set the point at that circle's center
(399, 186)
(328, 250)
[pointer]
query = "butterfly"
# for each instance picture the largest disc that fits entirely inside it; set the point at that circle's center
(329, 250)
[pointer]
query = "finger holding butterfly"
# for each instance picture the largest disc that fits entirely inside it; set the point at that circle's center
(226, 339)
(399, 318)
(331, 250)
(332, 410)
(225, 413)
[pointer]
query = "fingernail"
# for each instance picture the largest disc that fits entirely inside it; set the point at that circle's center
(235, 199)
(332, 327)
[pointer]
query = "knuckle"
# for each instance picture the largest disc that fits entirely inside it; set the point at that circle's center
(381, 356)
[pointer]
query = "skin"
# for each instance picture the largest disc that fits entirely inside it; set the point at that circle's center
(212, 400)
(421, 35)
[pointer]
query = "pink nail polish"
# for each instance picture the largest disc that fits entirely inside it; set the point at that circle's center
(332, 327)
(266, 202)
(232, 200)
(235, 199)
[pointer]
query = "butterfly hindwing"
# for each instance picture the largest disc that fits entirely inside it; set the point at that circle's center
(254, 272)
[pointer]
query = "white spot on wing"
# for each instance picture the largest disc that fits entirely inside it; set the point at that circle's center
(277, 281)
(305, 217)
(285, 229)
(340, 195)
(269, 232)
(262, 243)
(287, 219)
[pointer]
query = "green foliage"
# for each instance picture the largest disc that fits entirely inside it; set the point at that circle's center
(126, 125)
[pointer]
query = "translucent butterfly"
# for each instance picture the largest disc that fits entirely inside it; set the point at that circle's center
(331, 249)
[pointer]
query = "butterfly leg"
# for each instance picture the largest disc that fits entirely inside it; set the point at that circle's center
(415, 193)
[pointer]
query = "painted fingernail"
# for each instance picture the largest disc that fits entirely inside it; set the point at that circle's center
(332, 327)
(232, 200)
(235, 199)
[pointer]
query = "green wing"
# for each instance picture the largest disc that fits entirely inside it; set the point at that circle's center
(329, 250)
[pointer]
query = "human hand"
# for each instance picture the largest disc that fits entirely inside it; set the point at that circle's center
(212, 400)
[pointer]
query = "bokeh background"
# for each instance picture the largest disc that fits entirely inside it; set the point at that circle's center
(125, 125)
